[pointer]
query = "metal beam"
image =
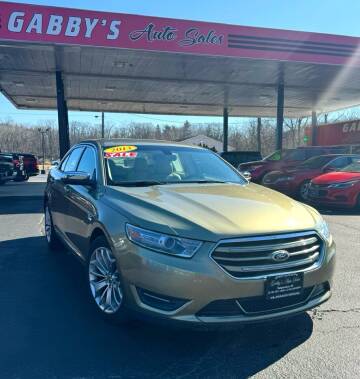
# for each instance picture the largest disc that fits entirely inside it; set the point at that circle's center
(63, 121)
(102, 125)
(279, 116)
(154, 102)
(119, 77)
(225, 130)
(313, 128)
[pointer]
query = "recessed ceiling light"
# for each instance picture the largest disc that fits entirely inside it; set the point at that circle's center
(110, 88)
(18, 84)
(30, 100)
(122, 64)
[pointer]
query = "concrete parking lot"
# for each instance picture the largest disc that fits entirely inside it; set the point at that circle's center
(49, 330)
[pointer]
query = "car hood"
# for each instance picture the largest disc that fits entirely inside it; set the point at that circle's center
(336, 177)
(211, 211)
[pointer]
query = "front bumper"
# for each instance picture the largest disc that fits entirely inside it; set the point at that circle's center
(199, 282)
(334, 197)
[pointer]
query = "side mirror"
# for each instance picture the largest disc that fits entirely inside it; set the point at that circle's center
(246, 175)
(78, 178)
(55, 163)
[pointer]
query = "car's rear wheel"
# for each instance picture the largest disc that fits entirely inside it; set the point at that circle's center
(2, 182)
(304, 189)
(105, 282)
(51, 237)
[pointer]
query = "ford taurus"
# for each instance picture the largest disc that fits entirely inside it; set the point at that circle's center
(172, 231)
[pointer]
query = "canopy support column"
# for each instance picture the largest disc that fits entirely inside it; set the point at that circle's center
(258, 133)
(63, 120)
(225, 130)
(279, 116)
(314, 127)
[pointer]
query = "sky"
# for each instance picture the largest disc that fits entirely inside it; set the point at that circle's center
(325, 16)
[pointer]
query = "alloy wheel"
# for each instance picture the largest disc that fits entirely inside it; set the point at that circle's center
(48, 224)
(304, 189)
(104, 280)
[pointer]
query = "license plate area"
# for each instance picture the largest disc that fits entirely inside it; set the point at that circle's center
(282, 287)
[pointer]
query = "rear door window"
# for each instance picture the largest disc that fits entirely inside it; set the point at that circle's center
(339, 162)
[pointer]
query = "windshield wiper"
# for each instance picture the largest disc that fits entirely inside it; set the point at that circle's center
(139, 183)
(202, 181)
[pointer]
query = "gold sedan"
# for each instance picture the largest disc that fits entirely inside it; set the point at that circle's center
(172, 231)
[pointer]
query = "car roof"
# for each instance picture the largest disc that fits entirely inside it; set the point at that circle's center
(139, 142)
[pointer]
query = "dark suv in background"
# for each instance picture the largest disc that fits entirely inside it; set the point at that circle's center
(7, 168)
(235, 158)
(284, 159)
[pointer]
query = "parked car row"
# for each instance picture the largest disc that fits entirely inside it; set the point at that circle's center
(17, 167)
(324, 175)
(283, 159)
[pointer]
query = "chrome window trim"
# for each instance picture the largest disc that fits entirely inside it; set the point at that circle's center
(263, 237)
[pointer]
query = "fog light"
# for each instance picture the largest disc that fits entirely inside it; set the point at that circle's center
(162, 302)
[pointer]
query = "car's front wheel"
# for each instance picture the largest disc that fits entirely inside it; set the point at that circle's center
(105, 283)
(304, 189)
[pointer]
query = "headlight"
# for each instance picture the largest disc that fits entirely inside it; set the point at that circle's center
(343, 184)
(163, 243)
(323, 229)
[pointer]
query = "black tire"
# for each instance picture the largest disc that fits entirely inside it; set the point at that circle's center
(21, 178)
(303, 189)
(2, 182)
(52, 238)
(357, 206)
(121, 315)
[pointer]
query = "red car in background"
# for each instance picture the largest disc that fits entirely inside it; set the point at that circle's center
(283, 159)
(295, 181)
(340, 188)
(31, 166)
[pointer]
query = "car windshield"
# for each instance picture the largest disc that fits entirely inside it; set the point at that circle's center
(144, 165)
(353, 167)
(315, 162)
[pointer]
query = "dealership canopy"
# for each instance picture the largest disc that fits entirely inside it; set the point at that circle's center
(57, 58)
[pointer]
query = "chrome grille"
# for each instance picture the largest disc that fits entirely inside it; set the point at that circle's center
(252, 257)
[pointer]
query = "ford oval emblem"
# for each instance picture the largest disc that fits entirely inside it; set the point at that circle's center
(280, 255)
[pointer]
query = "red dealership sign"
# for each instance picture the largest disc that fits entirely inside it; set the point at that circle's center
(340, 133)
(32, 23)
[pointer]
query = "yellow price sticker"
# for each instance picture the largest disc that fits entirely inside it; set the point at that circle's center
(120, 149)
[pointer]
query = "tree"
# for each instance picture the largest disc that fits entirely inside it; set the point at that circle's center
(158, 134)
(186, 130)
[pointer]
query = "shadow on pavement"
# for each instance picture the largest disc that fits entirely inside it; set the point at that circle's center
(21, 205)
(50, 329)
